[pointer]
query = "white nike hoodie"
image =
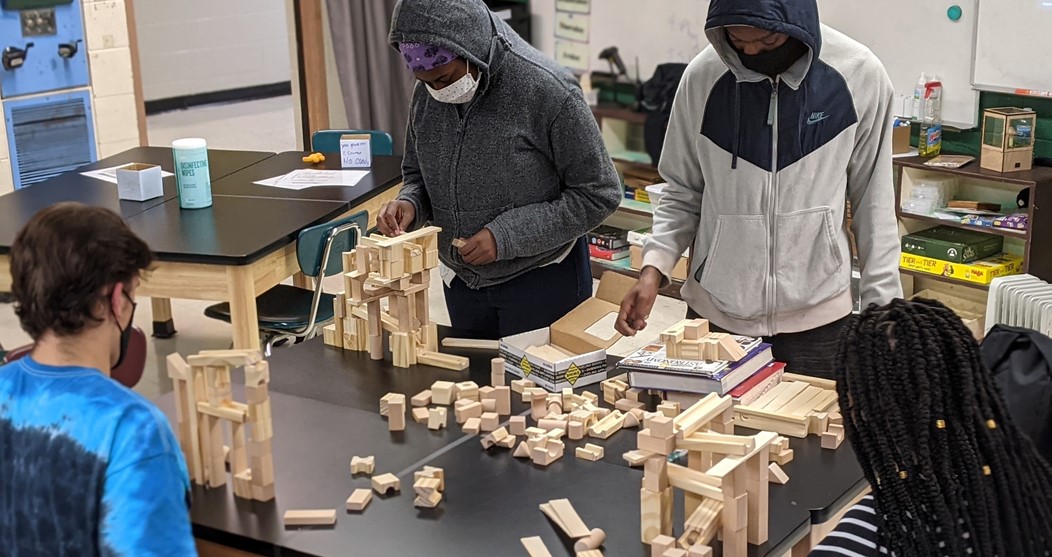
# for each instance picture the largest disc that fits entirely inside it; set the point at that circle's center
(759, 172)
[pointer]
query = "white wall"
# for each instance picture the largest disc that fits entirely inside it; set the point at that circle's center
(189, 47)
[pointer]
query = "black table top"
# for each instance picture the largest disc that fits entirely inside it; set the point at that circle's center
(325, 406)
(16, 208)
(385, 172)
(233, 231)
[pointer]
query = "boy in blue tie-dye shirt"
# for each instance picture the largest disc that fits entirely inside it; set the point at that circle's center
(87, 466)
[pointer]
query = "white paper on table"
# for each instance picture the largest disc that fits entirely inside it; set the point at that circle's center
(110, 174)
(308, 177)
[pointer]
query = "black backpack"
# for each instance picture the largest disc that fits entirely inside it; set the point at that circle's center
(655, 99)
(1021, 361)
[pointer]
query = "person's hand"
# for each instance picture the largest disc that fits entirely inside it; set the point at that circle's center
(635, 308)
(480, 249)
(395, 217)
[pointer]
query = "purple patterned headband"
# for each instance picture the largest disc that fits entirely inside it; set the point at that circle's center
(423, 57)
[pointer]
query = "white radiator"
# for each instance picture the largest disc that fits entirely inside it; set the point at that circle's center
(1020, 301)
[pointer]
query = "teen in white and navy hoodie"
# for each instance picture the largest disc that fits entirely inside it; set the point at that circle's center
(775, 127)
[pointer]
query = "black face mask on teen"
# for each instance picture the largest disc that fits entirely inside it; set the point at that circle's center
(774, 62)
(126, 332)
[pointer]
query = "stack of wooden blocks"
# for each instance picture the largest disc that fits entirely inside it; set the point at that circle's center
(691, 340)
(429, 484)
(204, 404)
(798, 406)
(399, 270)
(725, 480)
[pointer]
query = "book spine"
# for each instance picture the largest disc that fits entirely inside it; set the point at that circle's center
(607, 242)
(608, 255)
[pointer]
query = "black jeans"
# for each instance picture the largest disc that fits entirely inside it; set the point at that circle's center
(810, 352)
(532, 301)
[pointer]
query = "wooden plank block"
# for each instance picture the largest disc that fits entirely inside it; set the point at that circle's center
(793, 390)
(423, 398)
(793, 426)
(801, 405)
(471, 343)
(718, 443)
(572, 523)
(827, 384)
(700, 414)
(658, 445)
(681, 477)
(776, 474)
(325, 517)
(535, 547)
(825, 402)
(359, 500)
(655, 512)
(445, 361)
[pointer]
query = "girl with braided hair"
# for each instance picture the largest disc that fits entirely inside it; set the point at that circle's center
(951, 474)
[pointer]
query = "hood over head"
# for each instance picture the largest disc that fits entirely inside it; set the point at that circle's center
(465, 27)
(796, 18)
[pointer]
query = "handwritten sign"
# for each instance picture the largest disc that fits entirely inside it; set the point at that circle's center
(356, 151)
(576, 6)
(571, 26)
(572, 55)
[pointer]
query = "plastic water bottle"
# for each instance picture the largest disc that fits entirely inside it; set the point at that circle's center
(918, 96)
(930, 142)
(191, 173)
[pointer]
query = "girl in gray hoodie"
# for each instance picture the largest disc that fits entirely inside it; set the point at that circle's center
(503, 154)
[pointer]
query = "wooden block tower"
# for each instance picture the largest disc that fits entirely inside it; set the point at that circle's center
(399, 270)
(204, 403)
(725, 480)
(691, 340)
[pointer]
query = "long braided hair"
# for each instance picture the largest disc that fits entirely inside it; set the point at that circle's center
(951, 473)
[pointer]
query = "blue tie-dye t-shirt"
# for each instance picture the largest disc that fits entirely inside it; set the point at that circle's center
(87, 467)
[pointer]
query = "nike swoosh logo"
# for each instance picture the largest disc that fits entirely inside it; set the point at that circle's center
(812, 120)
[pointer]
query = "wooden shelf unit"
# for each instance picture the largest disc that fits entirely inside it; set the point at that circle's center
(977, 181)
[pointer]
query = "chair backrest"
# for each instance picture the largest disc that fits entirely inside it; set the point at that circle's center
(128, 373)
(328, 141)
(320, 248)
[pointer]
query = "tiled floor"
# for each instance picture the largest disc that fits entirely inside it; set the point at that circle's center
(265, 125)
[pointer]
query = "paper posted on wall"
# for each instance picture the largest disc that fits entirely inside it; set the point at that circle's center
(308, 178)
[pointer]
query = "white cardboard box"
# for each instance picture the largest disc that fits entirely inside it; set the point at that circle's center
(356, 151)
(587, 331)
(139, 182)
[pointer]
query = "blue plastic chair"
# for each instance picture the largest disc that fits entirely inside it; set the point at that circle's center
(328, 141)
(289, 313)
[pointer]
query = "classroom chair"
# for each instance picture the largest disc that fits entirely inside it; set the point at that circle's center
(328, 141)
(128, 373)
(289, 314)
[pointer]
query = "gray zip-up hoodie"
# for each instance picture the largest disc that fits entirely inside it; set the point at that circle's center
(526, 160)
(760, 170)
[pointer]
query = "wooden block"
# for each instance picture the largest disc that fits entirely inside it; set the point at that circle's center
(420, 415)
(445, 361)
(544, 456)
(626, 405)
(632, 419)
(660, 426)
(669, 409)
(496, 436)
(326, 517)
(517, 425)
(503, 399)
(423, 398)
(699, 550)
(776, 474)
(472, 426)
(550, 424)
(471, 343)
(428, 500)
(386, 482)
(783, 457)
(592, 542)
(490, 421)
(658, 445)
(497, 372)
(359, 500)
(636, 458)
(396, 415)
(597, 450)
(508, 442)
(468, 390)
(489, 405)
(661, 544)
(836, 419)
(655, 474)
(522, 451)
(466, 411)
(520, 385)
(442, 392)
(569, 519)
(535, 547)
(607, 426)
(437, 418)
(589, 553)
(576, 430)
(538, 407)
(833, 438)
(363, 465)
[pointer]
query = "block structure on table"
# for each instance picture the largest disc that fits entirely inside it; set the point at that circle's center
(399, 270)
(205, 409)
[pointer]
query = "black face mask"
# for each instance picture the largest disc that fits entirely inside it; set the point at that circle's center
(125, 333)
(774, 62)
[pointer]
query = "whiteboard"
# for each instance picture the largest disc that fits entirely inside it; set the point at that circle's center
(1013, 46)
(658, 31)
(895, 30)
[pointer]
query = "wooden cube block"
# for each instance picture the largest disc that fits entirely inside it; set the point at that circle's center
(472, 426)
(471, 409)
(490, 421)
(517, 425)
(437, 418)
(496, 378)
(420, 415)
(442, 392)
(359, 500)
(660, 426)
(660, 544)
(658, 445)
(423, 398)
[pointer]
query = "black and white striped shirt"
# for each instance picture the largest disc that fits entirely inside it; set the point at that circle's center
(855, 536)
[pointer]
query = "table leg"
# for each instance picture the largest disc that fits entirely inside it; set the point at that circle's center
(243, 316)
(163, 323)
(300, 280)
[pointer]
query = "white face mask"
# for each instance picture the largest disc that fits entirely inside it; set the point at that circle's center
(460, 91)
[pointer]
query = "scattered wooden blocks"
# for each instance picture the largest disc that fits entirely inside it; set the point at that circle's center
(590, 453)
(364, 465)
(496, 376)
(490, 421)
(420, 415)
(325, 517)
(491, 439)
(776, 475)
(661, 426)
(359, 500)
(385, 483)
(467, 390)
(437, 418)
(442, 392)
(520, 385)
(423, 398)
(465, 409)
(833, 437)
(428, 494)
(517, 425)
(535, 547)
(592, 542)
(472, 426)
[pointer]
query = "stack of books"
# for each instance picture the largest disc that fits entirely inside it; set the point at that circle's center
(748, 378)
(608, 243)
(961, 254)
